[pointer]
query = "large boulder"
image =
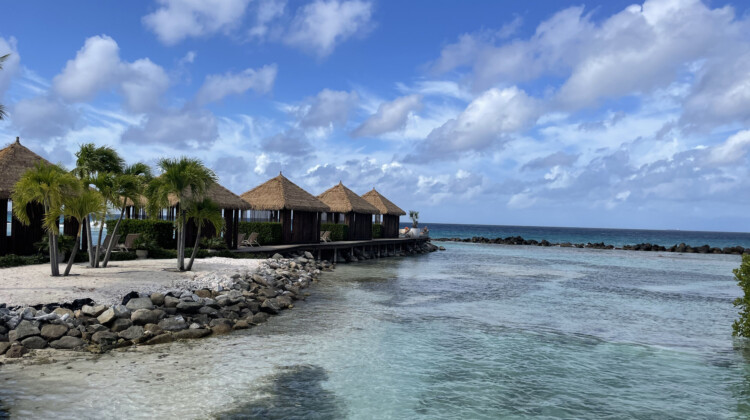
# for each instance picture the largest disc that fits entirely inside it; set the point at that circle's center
(104, 337)
(189, 307)
(34, 342)
(107, 316)
(161, 339)
(67, 343)
(121, 324)
(173, 324)
(4, 346)
(157, 299)
(171, 301)
(63, 312)
(139, 303)
(270, 306)
(144, 316)
(24, 329)
(133, 333)
(191, 333)
(16, 350)
(54, 331)
(93, 311)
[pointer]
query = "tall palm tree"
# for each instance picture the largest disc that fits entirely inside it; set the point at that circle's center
(185, 179)
(78, 207)
(47, 185)
(130, 185)
(201, 213)
(2, 108)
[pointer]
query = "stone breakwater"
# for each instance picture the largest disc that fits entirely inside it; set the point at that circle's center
(211, 304)
(682, 248)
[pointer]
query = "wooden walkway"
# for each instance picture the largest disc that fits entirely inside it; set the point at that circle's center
(377, 247)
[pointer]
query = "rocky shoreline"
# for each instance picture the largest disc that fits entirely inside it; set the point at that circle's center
(681, 248)
(218, 304)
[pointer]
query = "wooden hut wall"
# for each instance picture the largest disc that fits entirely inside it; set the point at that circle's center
(360, 226)
(231, 227)
(390, 226)
(306, 227)
(4, 233)
(23, 237)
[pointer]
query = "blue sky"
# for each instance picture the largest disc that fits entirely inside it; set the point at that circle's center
(556, 113)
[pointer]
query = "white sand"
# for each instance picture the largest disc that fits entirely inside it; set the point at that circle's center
(30, 285)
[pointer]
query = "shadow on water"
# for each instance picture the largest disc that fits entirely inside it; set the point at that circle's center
(294, 393)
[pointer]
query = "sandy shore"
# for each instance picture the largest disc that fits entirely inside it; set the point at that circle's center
(31, 285)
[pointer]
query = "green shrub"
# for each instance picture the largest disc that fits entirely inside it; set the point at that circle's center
(339, 232)
(216, 243)
(12, 260)
(123, 256)
(269, 233)
(377, 230)
(162, 254)
(162, 231)
(741, 327)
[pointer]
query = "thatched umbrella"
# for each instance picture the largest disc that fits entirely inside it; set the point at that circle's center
(281, 200)
(388, 210)
(356, 210)
(15, 160)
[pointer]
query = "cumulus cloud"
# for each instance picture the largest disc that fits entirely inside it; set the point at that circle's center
(321, 25)
(11, 65)
(176, 128)
(290, 142)
(391, 116)
(97, 67)
(326, 108)
(42, 117)
(559, 158)
(176, 20)
(267, 11)
(733, 150)
(216, 87)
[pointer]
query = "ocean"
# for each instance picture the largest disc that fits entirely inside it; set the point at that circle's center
(479, 331)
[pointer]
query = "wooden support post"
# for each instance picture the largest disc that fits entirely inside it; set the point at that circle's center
(335, 251)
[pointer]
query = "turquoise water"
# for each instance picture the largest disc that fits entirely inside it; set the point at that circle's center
(478, 331)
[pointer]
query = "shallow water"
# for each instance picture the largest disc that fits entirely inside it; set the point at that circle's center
(479, 331)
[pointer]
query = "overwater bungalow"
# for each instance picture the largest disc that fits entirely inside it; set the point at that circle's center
(15, 160)
(345, 206)
(280, 200)
(388, 213)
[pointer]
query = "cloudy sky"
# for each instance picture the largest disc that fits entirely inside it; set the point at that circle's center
(557, 114)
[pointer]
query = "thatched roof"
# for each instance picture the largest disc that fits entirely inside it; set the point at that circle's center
(15, 160)
(343, 200)
(218, 194)
(279, 193)
(384, 205)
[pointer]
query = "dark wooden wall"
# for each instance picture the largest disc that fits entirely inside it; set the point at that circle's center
(300, 227)
(390, 226)
(360, 226)
(22, 238)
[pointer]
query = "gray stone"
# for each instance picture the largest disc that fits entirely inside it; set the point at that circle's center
(95, 328)
(208, 310)
(121, 324)
(194, 326)
(221, 329)
(144, 316)
(161, 339)
(104, 337)
(309, 256)
(67, 343)
(54, 331)
(34, 342)
(107, 316)
(284, 301)
(15, 351)
(153, 329)
(63, 311)
(157, 299)
(28, 313)
(270, 306)
(24, 329)
(4, 346)
(241, 325)
(133, 333)
(139, 303)
(260, 318)
(171, 302)
(203, 293)
(220, 321)
(74, 332)
(173, 324)
(277, 256)
(93, 311)
(189, 307)
(121, 311)
(191, 333)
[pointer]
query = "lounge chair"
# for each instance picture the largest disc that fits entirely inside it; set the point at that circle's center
(241, 238)
(105, 244)
(129, 242)
(251, 241)
(325, 236)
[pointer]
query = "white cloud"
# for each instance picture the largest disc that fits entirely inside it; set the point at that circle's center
(267, 11)
(326, 108)
(217, 86)
(11, 65)
(176, 20)
(321, 25)
(42, 118)
(391, 116)
(732, 151)
(177, 129)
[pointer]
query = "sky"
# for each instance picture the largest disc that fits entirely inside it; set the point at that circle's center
(546, 113)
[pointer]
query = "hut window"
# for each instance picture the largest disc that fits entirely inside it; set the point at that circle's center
(262, 216)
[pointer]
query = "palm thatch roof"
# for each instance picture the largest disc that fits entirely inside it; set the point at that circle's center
(15, 160)
(384, 205)
(224, 198)
(343, 200)
(279, 193)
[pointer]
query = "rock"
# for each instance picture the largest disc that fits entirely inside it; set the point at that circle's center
(208, 310)
(260, 318)
(104, 337)
(107, 316)
(284, 301)
(139, 303)
(93, 311)
(24, 329)
(95, 328)
(121, 324)
(28, 313)
(153, 329)
(171, 301)
(241, 325)
(203, 293)
(121, 311)
(309, 256)
(173, 324)
(54, 331)
(133, 333)
(191, 333)
(270, 306)
(15, 351)
(34, 342)
(277, 256)
(221, 329)
(194, 326)
(73, 333)
(63, 312)
(67, 343)
(144, 316)
(160, 339)
(4, 346)
(189, 307)
(157, 299)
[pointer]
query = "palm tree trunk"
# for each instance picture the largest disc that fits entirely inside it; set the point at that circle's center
(111, 243)
(99, 243)
(90, 241)
(72, 257)
(52, 254)
(195, 250)
(181, 253)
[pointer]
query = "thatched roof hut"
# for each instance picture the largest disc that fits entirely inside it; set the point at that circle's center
(356, 210)
(221, 196)
(388, 210)
(297, 210)
(15, 160)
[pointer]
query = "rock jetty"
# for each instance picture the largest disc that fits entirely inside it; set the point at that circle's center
(681, 248)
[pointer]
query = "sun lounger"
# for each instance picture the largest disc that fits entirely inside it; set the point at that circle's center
(105, 244)
(325, 236)
(241, 238)
(129, 242)
(251, 241)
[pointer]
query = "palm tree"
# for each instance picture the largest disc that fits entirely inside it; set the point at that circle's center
(202, 212)
(2, 108)
(414, 215)
(78, 207)
(185, 179)
(130, 185)
(48, 185)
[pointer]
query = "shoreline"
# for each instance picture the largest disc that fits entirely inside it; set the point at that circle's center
(679, 248)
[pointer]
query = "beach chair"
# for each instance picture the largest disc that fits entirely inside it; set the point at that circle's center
(325, 236)
(105, 244)
(129, 242)
(251, 241)
(241, 238)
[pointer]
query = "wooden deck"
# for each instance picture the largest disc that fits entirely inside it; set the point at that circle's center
(376, 246)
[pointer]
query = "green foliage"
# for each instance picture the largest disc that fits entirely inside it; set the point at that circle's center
(12, 260)
(741, 327)
(414, 215)
(339, 232)
(269, 233)
(162, 231)
(64, 244)
(82, 256)
(216, 243)
(377, 231)
(145, 241)
(162, 254)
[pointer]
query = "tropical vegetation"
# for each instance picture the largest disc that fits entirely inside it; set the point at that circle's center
(741, 326)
